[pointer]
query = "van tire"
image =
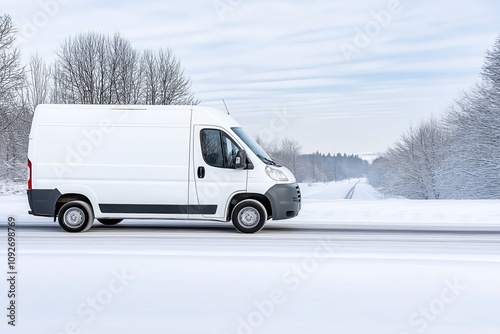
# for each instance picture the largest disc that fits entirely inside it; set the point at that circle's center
(249, 216)
(109, 221)
(76, 216)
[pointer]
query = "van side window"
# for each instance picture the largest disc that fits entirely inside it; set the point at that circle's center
(211, 147)
(218, 149)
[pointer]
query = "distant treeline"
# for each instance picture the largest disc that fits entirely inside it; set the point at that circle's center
(318, 167)
(315, 167)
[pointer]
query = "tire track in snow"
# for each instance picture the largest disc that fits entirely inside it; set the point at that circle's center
(350, 193)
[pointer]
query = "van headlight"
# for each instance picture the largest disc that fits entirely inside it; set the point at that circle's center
(276, 174)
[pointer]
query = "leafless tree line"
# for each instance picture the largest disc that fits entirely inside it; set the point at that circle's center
(320, 167)
(97, 69)
(12, 79)
(285, 152)
(89, 68)
(457, 157)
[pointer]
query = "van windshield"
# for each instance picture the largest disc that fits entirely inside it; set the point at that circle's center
(252, 144)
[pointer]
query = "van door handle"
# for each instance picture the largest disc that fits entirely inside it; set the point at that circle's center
(201, 172)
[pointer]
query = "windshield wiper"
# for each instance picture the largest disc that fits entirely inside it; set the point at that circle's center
(266, 160)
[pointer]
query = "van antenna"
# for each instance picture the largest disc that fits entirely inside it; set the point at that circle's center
(226, 107)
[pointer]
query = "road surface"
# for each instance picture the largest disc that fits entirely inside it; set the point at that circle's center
(342, 266)
(166, 277)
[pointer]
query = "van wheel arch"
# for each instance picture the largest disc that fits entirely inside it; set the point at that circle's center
(241, 197)
(66, 198)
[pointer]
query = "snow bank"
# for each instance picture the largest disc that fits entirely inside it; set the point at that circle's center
(12, 188)
(325, 204)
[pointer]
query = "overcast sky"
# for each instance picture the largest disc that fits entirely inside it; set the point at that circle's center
(305, 70)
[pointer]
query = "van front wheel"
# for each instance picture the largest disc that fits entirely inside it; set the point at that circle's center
(76, 216)
(249, 216)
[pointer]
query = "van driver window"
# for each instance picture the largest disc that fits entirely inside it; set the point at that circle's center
(230, 150)
(218, 149)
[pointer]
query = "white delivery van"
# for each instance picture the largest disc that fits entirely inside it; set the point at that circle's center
(152, 162)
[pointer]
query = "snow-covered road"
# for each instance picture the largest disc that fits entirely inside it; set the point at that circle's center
(343, 266)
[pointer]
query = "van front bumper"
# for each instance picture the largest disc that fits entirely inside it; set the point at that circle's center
(285, 200)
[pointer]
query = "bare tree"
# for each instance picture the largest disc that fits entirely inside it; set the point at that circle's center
(269, 146)
(412, 167)
(151, 77)
(82, 70)
(491, 68)
(164, 81)
(37, 86)
(473, 122)
(11, 73)
(96, 69)
(457, 158)
(11, 83)
(288, 154)
(285, 152)
(124, 71)
(474, 162)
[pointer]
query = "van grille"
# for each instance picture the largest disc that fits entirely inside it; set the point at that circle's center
(299, 196)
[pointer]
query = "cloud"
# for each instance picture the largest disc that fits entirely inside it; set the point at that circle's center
(267, 55)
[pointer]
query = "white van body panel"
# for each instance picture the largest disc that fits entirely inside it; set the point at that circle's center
(143, 162)
(123, 156)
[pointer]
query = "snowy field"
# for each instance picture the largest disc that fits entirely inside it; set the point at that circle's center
(12, 188)
(325, 203)
(351, 262)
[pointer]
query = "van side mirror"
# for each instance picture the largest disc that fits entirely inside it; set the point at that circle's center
(240, 161)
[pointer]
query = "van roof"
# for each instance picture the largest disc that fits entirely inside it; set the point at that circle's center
(123, 107)
(217, 113)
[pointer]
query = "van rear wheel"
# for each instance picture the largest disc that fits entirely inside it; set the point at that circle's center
(76, 216)
(109, 221)
(249, 216)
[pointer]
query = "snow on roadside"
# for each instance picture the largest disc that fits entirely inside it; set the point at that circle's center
(325, 204)
(9, 188)
(402, 212)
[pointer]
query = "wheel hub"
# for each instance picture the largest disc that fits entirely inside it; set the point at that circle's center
(74, 217)
(249, 217)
